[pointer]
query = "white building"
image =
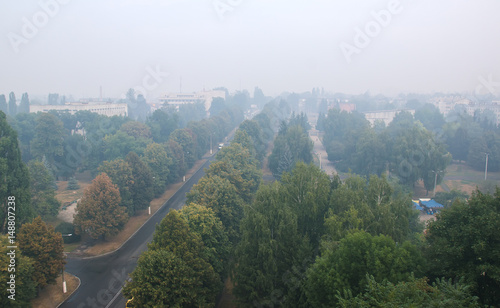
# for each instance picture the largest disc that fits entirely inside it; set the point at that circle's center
(103, 108)
(205, 97)
(384, 115)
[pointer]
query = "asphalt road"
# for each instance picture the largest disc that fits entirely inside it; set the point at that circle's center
(103, 277)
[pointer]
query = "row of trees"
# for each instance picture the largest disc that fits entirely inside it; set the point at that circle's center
(138, 179)
(11, 107)
(58, 145)
(405, 147)
(191, 248)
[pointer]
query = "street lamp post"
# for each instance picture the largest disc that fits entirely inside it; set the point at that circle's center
(486, 167)
(210, 143)
(64, 280)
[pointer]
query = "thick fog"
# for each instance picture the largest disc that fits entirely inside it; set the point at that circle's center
(389, 47)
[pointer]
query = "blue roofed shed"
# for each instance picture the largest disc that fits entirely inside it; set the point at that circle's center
(431, 204)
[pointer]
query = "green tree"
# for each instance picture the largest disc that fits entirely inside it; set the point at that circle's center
(160, 164)
(136, 129)
(447, 198)
(162, 124)
(44, 246)
(120, 173)
(413, 293)
(254, 130)
(3, 104)
(25, 286)
(307, 191)
(49, 138)
(24, 107)
(163, 279)
(203, 221)
(463, 242)
(245, 164)
(25, 124)
(99, 214)
(222, 197)
(344, 268)
(174, 235)
(270, 252)
(430, 117)
(372, 207)
(120, 144)
(72, 184)
(217, 106)
(43, 195)
(12, 104)
(14, 179)
(291, 141)
(186, 139)
(141, 188)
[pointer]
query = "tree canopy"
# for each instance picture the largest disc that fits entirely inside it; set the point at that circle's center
(99, 214)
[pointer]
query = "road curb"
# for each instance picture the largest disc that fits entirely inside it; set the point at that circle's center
(79, 283)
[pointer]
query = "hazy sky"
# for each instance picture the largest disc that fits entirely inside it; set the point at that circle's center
(279, 45)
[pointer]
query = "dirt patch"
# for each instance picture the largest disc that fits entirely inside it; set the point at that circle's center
(52, 295)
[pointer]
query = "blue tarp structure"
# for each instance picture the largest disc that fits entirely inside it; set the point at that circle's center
(417, 206)
(431, 204)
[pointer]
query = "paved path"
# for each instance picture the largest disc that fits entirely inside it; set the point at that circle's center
(320, 151)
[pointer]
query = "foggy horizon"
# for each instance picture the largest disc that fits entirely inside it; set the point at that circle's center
(384, 47)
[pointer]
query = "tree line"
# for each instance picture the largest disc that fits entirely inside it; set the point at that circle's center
(405, 148)
(192, 248)
(45, 137)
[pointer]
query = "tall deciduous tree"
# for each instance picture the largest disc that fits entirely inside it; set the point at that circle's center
(99, 213)
(344, 268)
(222, 197)
(120, 173)
(49, 138)
(174, 235)
(413, 293)
(43, 196)
(141, 188)
(24, 106)
(463, 242)
(3, 104)
(186, 139)
(307, 191)
(45, 247)
(14, 178)
(163, 279)
(162, 124)
(12, 104)
(160, 164)
(270, 251)
(202, 220)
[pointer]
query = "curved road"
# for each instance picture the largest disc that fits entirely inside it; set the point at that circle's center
(103, 277)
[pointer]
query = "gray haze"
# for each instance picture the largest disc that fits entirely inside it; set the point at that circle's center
(280, 45)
